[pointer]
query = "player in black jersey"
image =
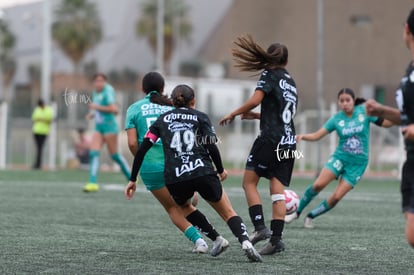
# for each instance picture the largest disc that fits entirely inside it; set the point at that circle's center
(273, 152)
(404, 116)
(189, 143)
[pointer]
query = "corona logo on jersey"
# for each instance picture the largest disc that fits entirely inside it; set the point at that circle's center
(284, 85)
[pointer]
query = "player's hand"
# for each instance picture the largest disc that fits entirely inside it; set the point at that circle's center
(130, 190)
(298, 138)
(373, 108)
(408, 132)
(89, 116)
(223, 176)
(226, 120)
(249, 115)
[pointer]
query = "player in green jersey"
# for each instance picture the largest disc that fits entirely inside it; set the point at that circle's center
(140, 116)
(103, 110)
(350, 159)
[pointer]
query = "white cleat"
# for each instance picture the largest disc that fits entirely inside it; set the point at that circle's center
(219, 245)
(200, 246)
(308, 223)
(251, 252)
(290, 218)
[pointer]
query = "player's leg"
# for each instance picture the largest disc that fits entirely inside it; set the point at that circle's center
(324, 178)
(409, 228)
(407, 192)
(96, 146)
(200, 221)
(177, 217)
(250, 181)
(212, 191)
(111, 141)
(341, 190)
(278, 218)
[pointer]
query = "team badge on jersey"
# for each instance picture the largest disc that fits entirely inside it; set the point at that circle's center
(361, 118)
(341, 123)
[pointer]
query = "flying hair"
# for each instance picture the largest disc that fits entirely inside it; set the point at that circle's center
(249, 56)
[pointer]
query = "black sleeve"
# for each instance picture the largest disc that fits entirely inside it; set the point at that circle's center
(215, 156)
(139, 157)
(379, 121)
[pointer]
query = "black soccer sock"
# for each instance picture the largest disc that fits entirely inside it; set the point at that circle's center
(256, 216)
(277, 230)
(238, 228)
(200, 221)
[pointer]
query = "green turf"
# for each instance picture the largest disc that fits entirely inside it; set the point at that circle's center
(47, 225)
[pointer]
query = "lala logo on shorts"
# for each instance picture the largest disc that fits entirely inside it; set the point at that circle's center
(188, 167)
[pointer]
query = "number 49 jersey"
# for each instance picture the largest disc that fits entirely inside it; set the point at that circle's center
(278, 107)
(184, 132)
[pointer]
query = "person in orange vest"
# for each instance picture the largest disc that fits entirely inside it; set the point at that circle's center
(42, 118)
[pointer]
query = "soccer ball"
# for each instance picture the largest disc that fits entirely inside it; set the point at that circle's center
(292, 201)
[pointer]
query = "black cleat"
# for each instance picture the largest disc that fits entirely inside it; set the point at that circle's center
(260, 235)
(270, 249)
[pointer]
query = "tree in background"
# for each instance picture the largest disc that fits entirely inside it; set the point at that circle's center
(7, 58)
(77, 29)
(175, 19)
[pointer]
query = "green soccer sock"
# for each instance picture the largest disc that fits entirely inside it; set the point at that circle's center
(93, 165)
(320, 209)
(192, 234)
(306, 198)
(123, 164)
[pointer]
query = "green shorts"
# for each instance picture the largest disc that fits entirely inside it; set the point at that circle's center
(153, 181)
(107, 128)
(351, 172)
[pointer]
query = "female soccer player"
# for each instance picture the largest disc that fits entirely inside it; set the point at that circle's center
(189, 144)
(103, 109)
(348, 162)
(140, 116)
(271, 155)
(405, 117)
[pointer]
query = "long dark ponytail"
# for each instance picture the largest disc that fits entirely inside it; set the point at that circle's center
(348, 91)
(249, 56)
(153, 83)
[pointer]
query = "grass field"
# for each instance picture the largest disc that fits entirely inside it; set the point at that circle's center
(47, 225)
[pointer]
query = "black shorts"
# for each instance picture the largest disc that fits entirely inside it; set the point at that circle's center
(269, 162)
(407, 186)
(209, 187)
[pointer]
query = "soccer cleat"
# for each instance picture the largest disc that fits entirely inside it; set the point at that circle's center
(91, 187)
(260, 235)
(200, 246)
(290, 218)
(219, 245)
(308, 223)
(270, 249)
(251, 252)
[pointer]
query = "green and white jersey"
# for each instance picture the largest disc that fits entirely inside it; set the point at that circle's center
(104, 98)
(141, 115)
(353, 133)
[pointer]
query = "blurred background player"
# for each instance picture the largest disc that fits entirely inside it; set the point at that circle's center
(189, 144)
(139, 118)
(276, 92)
(404, 116)
(350, 159)
(103, 109)
(42, 118)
